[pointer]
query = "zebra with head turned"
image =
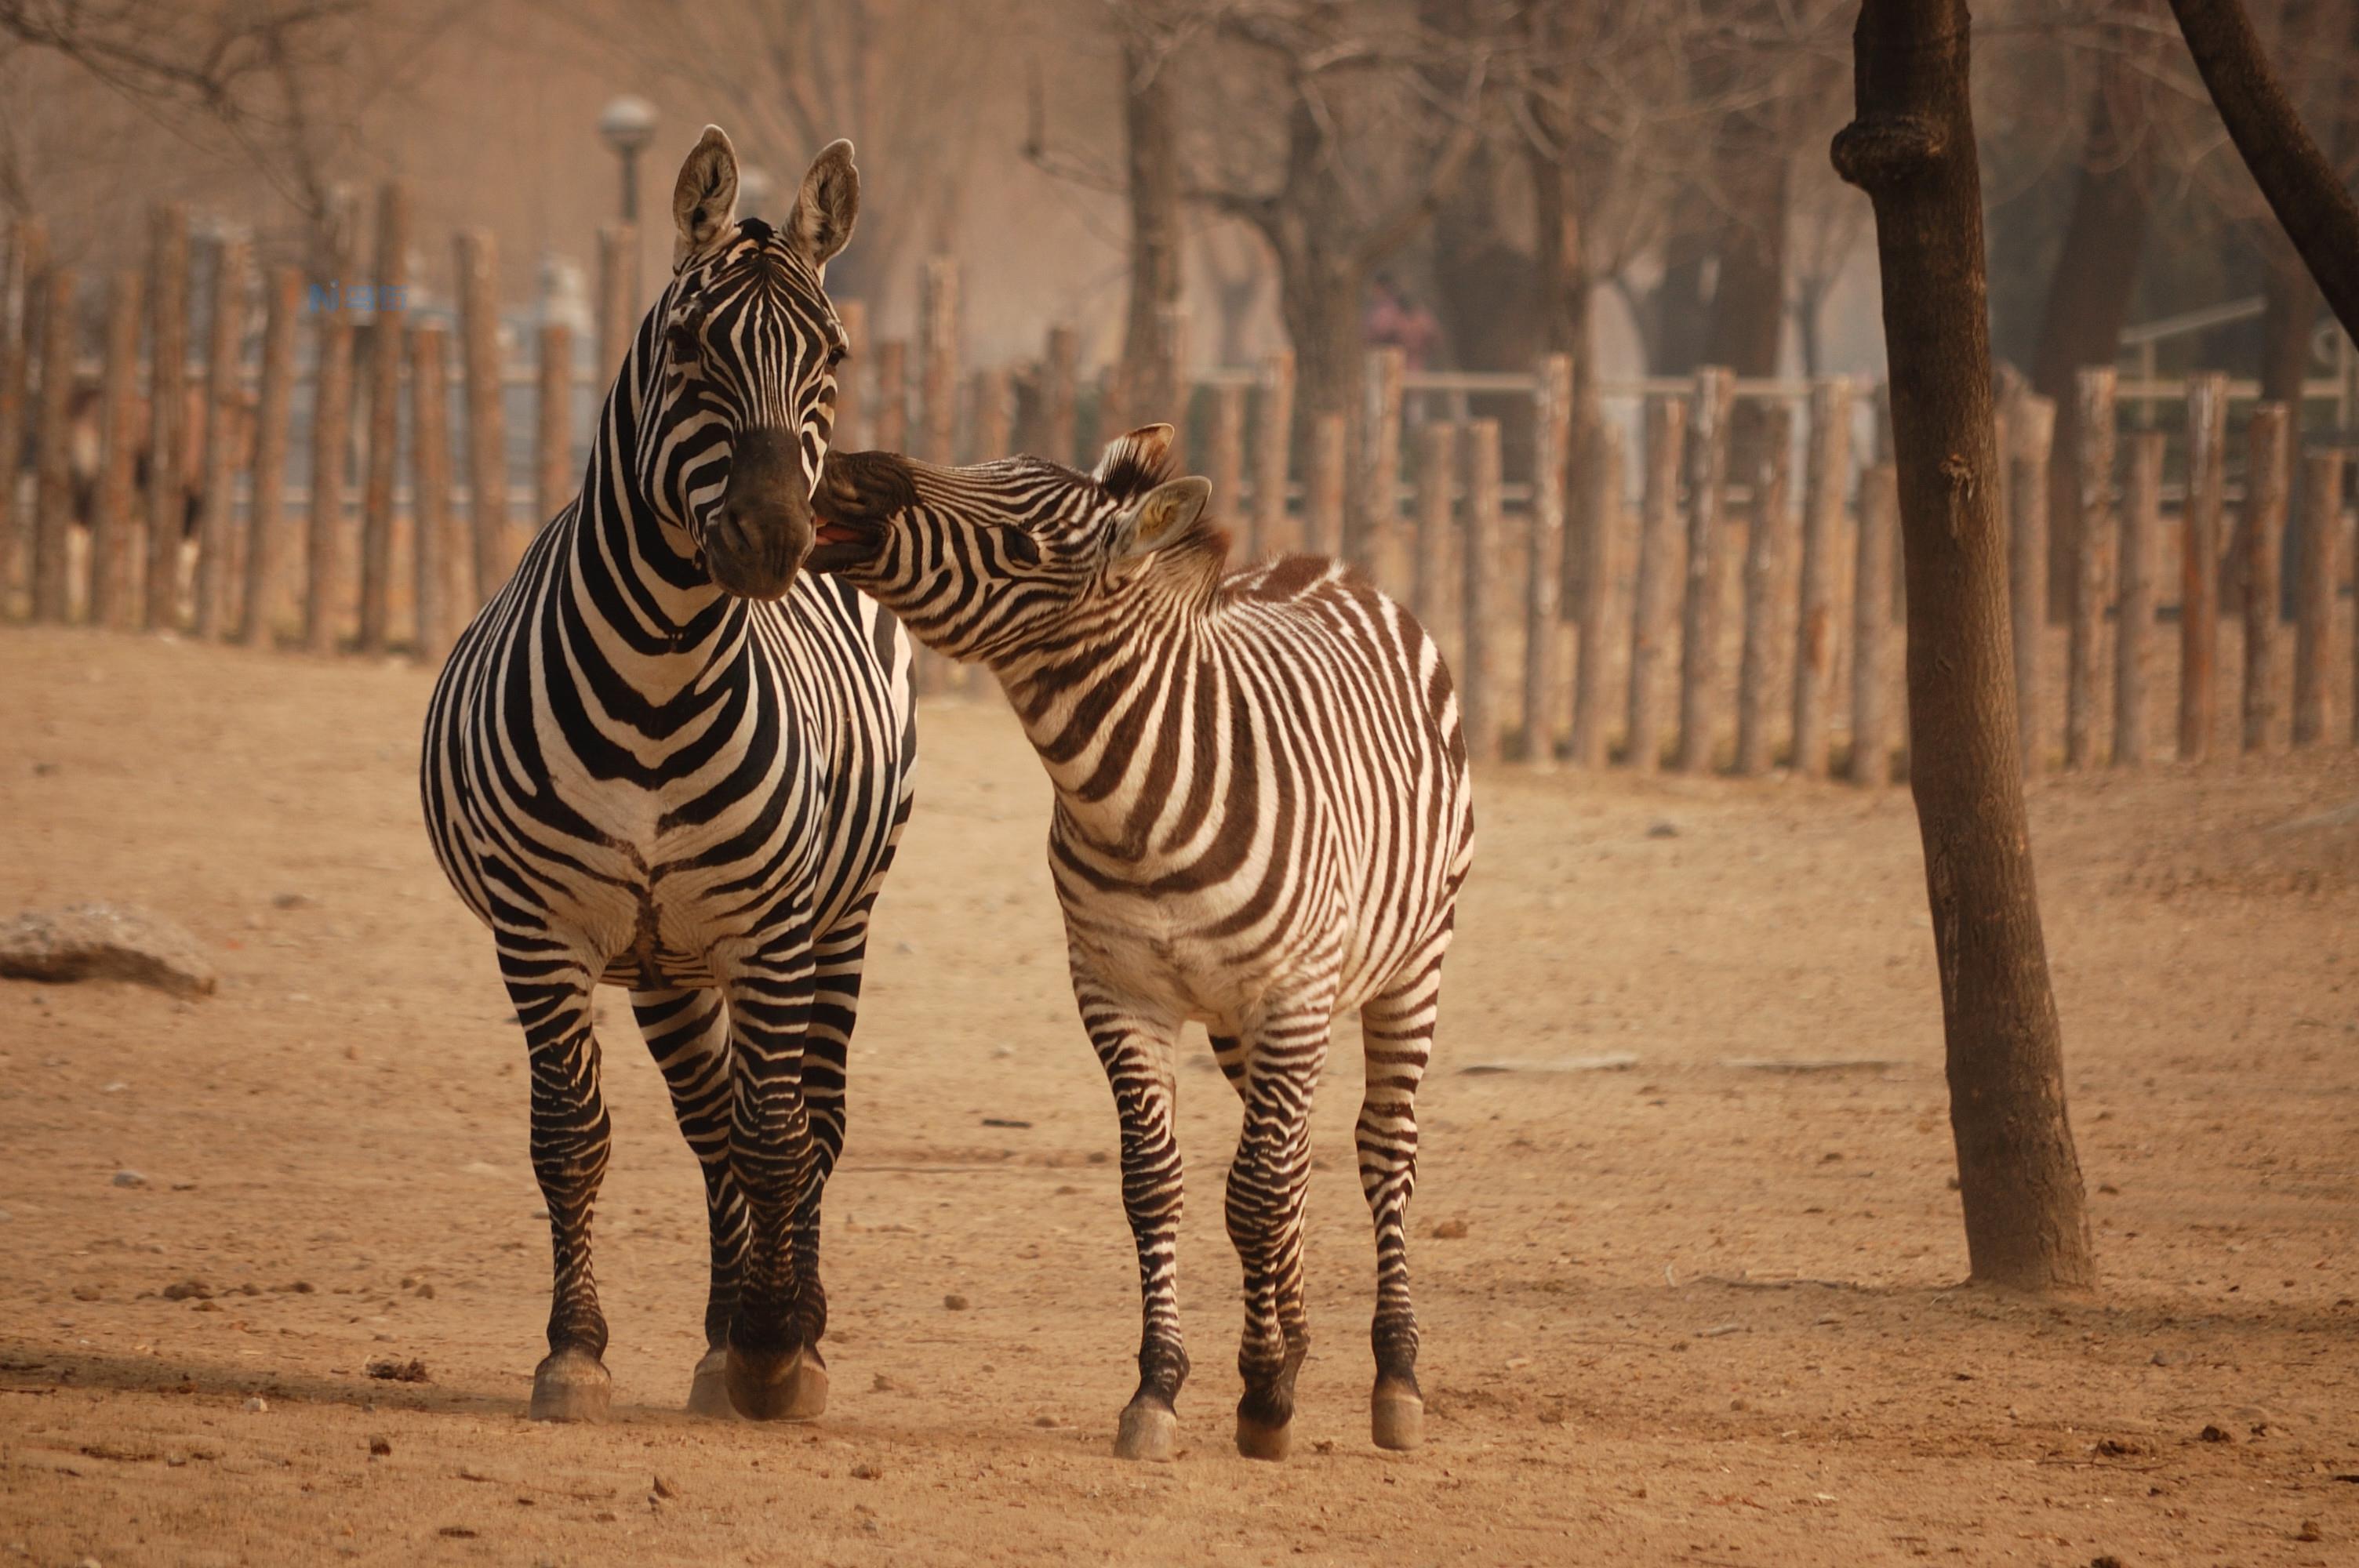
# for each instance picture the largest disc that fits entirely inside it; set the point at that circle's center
(1261, 818)
(663, 758)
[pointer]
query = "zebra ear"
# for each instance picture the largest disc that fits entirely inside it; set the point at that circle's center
(1136, 463)
(827, 206)
(704, 202)
(1167, 514)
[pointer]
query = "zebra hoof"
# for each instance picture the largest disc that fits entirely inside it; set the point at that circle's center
(570, 1385)
(1258, 1440)
(1148, 1431)
(792, 1387)
(1396, 1416)
(708, 1394)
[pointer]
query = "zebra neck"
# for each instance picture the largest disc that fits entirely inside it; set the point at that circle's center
(1095, 709)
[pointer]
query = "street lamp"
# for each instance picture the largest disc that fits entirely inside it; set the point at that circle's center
(628, 125)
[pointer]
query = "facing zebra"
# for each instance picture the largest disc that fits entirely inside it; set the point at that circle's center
(1262, 817)
(663, 758)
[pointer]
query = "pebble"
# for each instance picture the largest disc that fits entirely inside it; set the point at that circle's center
(955, 1302)
(258, 1405)
(864, 1471)
(1662, 830)
(1451, 1231)
(129, 1179)
(2167, 1358)
(380, 1445)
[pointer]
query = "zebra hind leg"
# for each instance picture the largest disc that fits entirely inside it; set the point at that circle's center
(687, 1032)
(1267, 1183)
(571, 1137)
(1398, 1029)
(827, 1050)
(1136, 1052)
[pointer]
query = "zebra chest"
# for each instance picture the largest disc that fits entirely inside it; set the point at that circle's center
(1155, 957)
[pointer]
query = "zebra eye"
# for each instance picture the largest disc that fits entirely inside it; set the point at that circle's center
(836, 355)
(1018, 548)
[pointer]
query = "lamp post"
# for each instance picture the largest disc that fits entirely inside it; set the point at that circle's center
(628, 125)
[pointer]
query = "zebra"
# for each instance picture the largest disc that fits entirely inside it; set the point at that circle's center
(1262, 817)
(664, 758)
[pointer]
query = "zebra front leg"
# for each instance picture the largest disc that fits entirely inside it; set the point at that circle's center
(688, 1034)
(1396, 1027)
(1134, 1046)
(827, 1051)
(1267, 1182)
(570, 1142)
(773, 1371)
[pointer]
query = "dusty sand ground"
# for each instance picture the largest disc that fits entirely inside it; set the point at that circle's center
(1700, 1312)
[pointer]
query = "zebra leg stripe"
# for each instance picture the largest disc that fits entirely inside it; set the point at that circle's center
(1398, 1028)
(1267, 1183)
(687, 1032)
(827, 1049)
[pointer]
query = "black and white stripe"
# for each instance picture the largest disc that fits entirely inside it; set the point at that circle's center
(1263, 817)
(663, 758)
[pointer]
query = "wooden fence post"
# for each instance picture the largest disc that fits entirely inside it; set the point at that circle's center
(2134, 626)
(1601, 564)
(1543, 562)
(2093, 535)
(1224, 464)
(2267, 474)
(618, 293)
(430, 487)
(1826, 477)
(168, 384)
(2321, 521)
(555, 476)
(28, 264)
(1650, 608)
(1060, 377)
(118, 412)
(1436, 496)
(849, 433)
(890, 418)
(1871, 609)
(2031, 435)
(265, 537)
(2199, 564)
(486, 409)
(988, 439)
(1480, 554)
(1322, 513)
(1369, 519)
(1767, 551)
(53, 476)
(384, 417)
(937, 363)
(224, 391)
(331, 390)
(1273, 457)
(1699, 619)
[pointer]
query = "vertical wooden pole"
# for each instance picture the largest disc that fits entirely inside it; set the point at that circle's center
(1369, 519)
(2092, 533)
(890, 416)
(1322, 514)
(2133, 631)
(168, 386)
(1273, 455)
(1543, 557)
(2313, 631)
(2266, 474)
(1224, 464)
(430, 487)
(1871, 606)
(850, 432)
(938, 365)
(486, 412)
(332, 391)
(618, 292)
(1060, 377)
(1437, 493)
(384, 417)
(555, 474)
(110, 522)
(1650, 608)
(25, 278)
(1476, 685)
(992, 411)
(2199, 564)
(1767, 548)
(265, 537)
(53, 474)
(2031, 435)
(1699, 619)
(1826, 477)
(1602, 552)
(225, 390)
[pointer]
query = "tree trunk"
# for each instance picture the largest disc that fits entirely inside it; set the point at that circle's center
(1320, 299)
(1911, 148)
(1149, 378)
(1748, 304)
(2310, 202)
(2088, 295)
(1565, 329)
(2289, 301)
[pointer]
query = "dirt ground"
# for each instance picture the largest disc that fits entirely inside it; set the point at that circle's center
(1687, 1311)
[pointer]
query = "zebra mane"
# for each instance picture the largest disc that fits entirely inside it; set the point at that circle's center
(1136, 463)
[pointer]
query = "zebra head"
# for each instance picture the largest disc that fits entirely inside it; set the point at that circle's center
(745, 346)
(1005, 558)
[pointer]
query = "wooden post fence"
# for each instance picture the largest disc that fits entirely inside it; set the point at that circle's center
(850, 433)
(937, 363)
(167, 379)
(110, 521)
(1060, 386)
(1650, 612)
(1368, 522)
(1479, 552)
(2266, 474)
(25, 278)
(266, 539)
(1871, 734)
(1273, 456)
(2093, 535)
(1766, 550)
(1322, 513)
(618, 292)
(1437, 490)
(554, 476)
(2133, 619)
(1602, 552)
(2031, 435)
(330, 427)
(1700, 619)
(53, 477)
(2198, 565)
(430, 487)
(889, 416)
(1825, 474)
(1224, 464)
(1543, 565)
(217, 522)
(2313, 631)
(487, 453)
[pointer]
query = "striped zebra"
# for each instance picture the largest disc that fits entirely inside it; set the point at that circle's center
(663, 758)
(1261, 818)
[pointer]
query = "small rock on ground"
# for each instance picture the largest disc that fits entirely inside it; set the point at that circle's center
(104, 942)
